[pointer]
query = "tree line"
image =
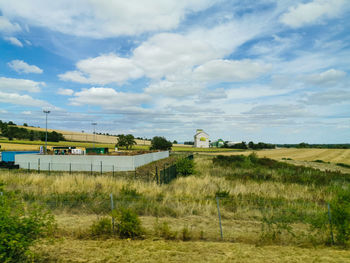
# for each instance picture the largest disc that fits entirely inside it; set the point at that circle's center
(250, 145)
(319, 146)
(11, 131)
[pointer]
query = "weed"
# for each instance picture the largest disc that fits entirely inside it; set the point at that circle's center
(186, 234)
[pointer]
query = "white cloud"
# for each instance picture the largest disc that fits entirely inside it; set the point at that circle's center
(103, 18)
(312, 12)
(8, 27)
(65, 92)
(26, 112)
(278, 111)
(329, 77)
(10, 84)
(22, 67)
(328, 97)
(14, 41)
(176, 88)
(24, 100)
(108, 98)
(230, 70)
(103, 69)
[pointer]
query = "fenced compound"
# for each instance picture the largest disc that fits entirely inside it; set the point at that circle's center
(86, 163)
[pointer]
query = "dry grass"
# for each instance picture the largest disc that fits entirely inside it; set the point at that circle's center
(72, 250)
(192, 200)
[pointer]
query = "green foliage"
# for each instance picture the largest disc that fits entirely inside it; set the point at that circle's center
(262, 169)
(128, 224)
(101, 228)
(340, 208)
(343, 165)
(20, 227)
(126, 141)
(186, 234)
(163, 230)
(160, 143)
(11, 131)
(184, 167)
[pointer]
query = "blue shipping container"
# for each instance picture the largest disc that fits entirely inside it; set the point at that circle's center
(10, 156)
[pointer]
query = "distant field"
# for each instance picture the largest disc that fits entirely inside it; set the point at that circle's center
(326, 155)
(86, 137)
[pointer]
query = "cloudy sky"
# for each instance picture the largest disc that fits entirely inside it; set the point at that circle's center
(263, 70)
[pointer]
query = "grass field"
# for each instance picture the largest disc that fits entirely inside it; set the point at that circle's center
(73, 250)
(250, 196)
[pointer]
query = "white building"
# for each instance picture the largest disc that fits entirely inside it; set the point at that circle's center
(201, 139)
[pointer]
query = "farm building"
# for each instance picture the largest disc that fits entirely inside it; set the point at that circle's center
(219, 143)
(201, 139)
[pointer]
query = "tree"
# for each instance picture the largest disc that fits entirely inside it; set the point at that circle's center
(175, 142)
(125, 141)
(160, 143)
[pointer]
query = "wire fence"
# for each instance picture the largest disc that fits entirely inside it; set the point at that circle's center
(238, 218)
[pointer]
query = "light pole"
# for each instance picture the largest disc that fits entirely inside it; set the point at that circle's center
(94, 124)
(47, 113)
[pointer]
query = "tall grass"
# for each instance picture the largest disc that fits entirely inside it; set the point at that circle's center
(265, 198)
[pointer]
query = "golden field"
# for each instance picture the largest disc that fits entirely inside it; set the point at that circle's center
(304, 154)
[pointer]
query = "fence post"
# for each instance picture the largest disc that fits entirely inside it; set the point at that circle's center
(113, 170)
(157, 175)
(28, 167)
(217, 203)
(330, 223)
(135, 174)
(49, 168)
(70, 168)
(112, 208)
(39, 166)
(91, 170)
(101, 167)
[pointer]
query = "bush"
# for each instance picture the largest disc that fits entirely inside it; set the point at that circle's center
(184, 167)
(128, 224)
(160, 143)
(102, 227)
(20, 227)
(341, 216)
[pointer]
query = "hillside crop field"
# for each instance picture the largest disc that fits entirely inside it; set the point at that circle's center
(326, 155)
(270, 211)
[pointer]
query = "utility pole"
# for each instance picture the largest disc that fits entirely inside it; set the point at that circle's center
(47, 113)
(94, 124)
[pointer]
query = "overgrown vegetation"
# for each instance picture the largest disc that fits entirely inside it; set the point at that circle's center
(20, 226)
(184, 166)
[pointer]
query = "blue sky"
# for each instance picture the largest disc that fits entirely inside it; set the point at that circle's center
(272, 71)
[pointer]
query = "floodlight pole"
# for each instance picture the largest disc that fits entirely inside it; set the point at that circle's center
(94, 124)
(47, 113)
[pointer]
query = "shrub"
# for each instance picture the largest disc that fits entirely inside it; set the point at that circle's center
(184, 167)
(341, 216)
(102, 227)
(20, 227)
(128, 224)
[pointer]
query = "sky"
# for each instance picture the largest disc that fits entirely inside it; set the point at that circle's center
(274, 71)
